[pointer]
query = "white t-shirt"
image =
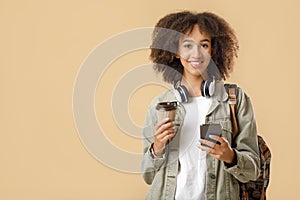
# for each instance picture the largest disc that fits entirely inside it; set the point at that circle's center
(191, 175)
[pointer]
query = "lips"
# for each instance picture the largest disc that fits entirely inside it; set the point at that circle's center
(196, 64)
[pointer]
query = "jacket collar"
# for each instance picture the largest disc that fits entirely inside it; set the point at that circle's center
(220, 92)
(220, 95)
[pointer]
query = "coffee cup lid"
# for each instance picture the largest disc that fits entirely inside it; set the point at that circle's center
(166, 106)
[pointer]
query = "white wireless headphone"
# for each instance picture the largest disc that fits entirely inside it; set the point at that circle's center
(182, 95)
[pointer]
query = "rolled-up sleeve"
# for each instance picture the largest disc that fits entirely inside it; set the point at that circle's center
(150, 164)
(246, 150)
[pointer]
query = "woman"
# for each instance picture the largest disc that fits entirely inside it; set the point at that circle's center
(193, 50)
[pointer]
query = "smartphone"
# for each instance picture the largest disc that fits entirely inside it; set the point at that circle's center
(210, 129)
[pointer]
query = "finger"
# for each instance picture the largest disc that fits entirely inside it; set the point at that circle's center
(164, 127)
(208, 143)
(167, 137)
(165, 133)
(207, 148)
(160, 123)
(163, 137)
(162, 140)
(217, 138)
(222, 141)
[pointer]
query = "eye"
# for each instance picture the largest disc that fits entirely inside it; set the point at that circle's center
(188, 46)
(205, 46)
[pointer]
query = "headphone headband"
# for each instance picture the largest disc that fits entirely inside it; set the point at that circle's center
(207, 89)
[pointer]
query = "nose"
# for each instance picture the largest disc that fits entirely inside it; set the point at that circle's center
(198, 52)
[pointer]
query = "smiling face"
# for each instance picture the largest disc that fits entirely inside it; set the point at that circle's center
(195, 52)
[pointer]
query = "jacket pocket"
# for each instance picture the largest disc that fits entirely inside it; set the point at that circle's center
(226, 129)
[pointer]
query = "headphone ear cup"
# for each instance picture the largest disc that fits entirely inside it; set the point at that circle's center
(207, 88)
(182, 94)
(211, 88)
(203, 88)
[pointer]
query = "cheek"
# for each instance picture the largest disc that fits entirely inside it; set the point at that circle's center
(183, 62)
(184, 55)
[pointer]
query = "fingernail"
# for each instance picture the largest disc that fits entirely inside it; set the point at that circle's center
(167, 119)
(211, 136)
(199, 140)
(176, 124)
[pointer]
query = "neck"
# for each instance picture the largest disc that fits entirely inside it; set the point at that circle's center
(193, 85)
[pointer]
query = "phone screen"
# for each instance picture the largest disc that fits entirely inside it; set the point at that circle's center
(210, 129)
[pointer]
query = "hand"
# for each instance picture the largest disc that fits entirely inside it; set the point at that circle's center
(163, 131)
(222, 151)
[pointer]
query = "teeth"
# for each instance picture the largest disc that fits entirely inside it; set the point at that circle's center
(195, 63)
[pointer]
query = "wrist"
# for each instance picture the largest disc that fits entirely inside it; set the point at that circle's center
(233, 159)
(157, 153)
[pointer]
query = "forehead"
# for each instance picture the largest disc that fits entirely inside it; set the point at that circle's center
(196, 34)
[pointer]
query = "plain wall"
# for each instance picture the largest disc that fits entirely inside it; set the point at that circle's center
(42, 46)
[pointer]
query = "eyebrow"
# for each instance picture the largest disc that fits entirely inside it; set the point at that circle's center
(190, 40)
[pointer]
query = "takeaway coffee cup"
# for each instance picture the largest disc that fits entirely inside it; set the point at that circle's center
(166, 110)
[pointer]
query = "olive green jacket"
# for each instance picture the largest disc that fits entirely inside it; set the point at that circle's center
(221, 180)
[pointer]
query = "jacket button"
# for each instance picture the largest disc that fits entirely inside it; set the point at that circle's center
(212, 176)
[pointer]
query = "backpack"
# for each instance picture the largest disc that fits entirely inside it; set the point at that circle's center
(252, 190)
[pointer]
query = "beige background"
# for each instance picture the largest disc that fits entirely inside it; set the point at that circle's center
(42, 46)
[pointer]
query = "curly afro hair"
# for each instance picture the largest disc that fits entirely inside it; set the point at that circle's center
(169, 30)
